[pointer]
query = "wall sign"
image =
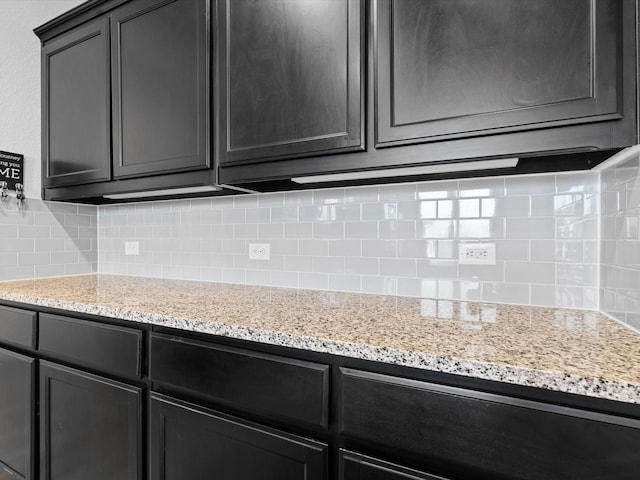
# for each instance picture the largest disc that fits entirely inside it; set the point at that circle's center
(11, 168)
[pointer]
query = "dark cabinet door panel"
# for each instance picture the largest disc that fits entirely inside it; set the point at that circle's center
(455, 68)
(293, 77)
(160, 86)
(90, 427)
(354, 466)
(76, 123)
(478, 435)
(16, 415)
(189, 442)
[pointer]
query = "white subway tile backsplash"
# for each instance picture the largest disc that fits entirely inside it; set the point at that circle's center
(388, 239)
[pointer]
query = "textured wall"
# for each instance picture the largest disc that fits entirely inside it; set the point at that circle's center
(43, 238)
(20, 80)
(396, 239)
(620, 268)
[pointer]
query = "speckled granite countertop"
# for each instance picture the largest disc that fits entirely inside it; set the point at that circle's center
(571, 351)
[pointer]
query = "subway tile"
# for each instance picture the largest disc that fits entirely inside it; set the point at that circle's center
(258, 277)
(362, 266)
(379, 285)
(379, 248)
(361, 230)
(438, 229)
(437, 268)
(469, 208)
(380, 211)
(313, 281)
(490, 273)
(417, 248)
(318, 248)
(271, 230)
(481, 228)
(296, 198)
(505, 206)
(482, 187)
(329, 196)
(298, 230)
(530, 185)
(345, 283)
(573, 182)
(549, 251)
(397, 192)
(270, 199)
(284, 279)
(298, 263)
(259, 215)
(512, 250)
(505, 293)
(530, 272)
(345, 248)
(234, 215)
(241, 201)
(398, 267)
(328, 264)
(531, 228)
(328, 230)
(361, 194)
(437, 190)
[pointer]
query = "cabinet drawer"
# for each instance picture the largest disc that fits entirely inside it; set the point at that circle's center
(108, 348)
(356, 467)
(17, 327)
(255, 382)
(457, 430)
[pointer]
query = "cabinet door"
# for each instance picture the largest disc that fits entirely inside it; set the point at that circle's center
(191, 442)
(457, 68)
(90, 427)
(76, 124)
(293, 78)
(160, 87)
(354, 466)
(16, 415)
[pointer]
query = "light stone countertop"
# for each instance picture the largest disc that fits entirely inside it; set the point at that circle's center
(573, 351)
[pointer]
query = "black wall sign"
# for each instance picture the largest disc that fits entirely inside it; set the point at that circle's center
(11, 168)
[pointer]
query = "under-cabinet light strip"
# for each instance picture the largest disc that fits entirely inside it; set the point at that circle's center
(159, 193)
(409, 171)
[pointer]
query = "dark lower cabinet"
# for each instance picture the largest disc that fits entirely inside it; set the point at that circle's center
(475, 435)
(90, 426)
(354, 466)
(190, 442)
(17, 403)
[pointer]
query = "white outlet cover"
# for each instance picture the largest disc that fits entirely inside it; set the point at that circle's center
(259, 251)
(477, 253)
(132, 248)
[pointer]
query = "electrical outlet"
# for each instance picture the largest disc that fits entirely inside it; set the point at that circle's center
(477, 254)
(132, 248)
(259, 251)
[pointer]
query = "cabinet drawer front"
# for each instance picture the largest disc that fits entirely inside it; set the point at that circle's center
(457, 430)
(190, 442)
(107, 348)
(17, 327)
(250, 381)
(356, 467)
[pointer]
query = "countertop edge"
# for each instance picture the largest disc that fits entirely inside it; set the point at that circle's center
(566, 383)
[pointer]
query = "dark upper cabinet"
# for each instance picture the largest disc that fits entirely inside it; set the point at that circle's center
(160, 87)
(90, 426)
(126, 98)
(189, 442)
(17, 402)
(290, 77)
(76, 125)
(458, 68)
